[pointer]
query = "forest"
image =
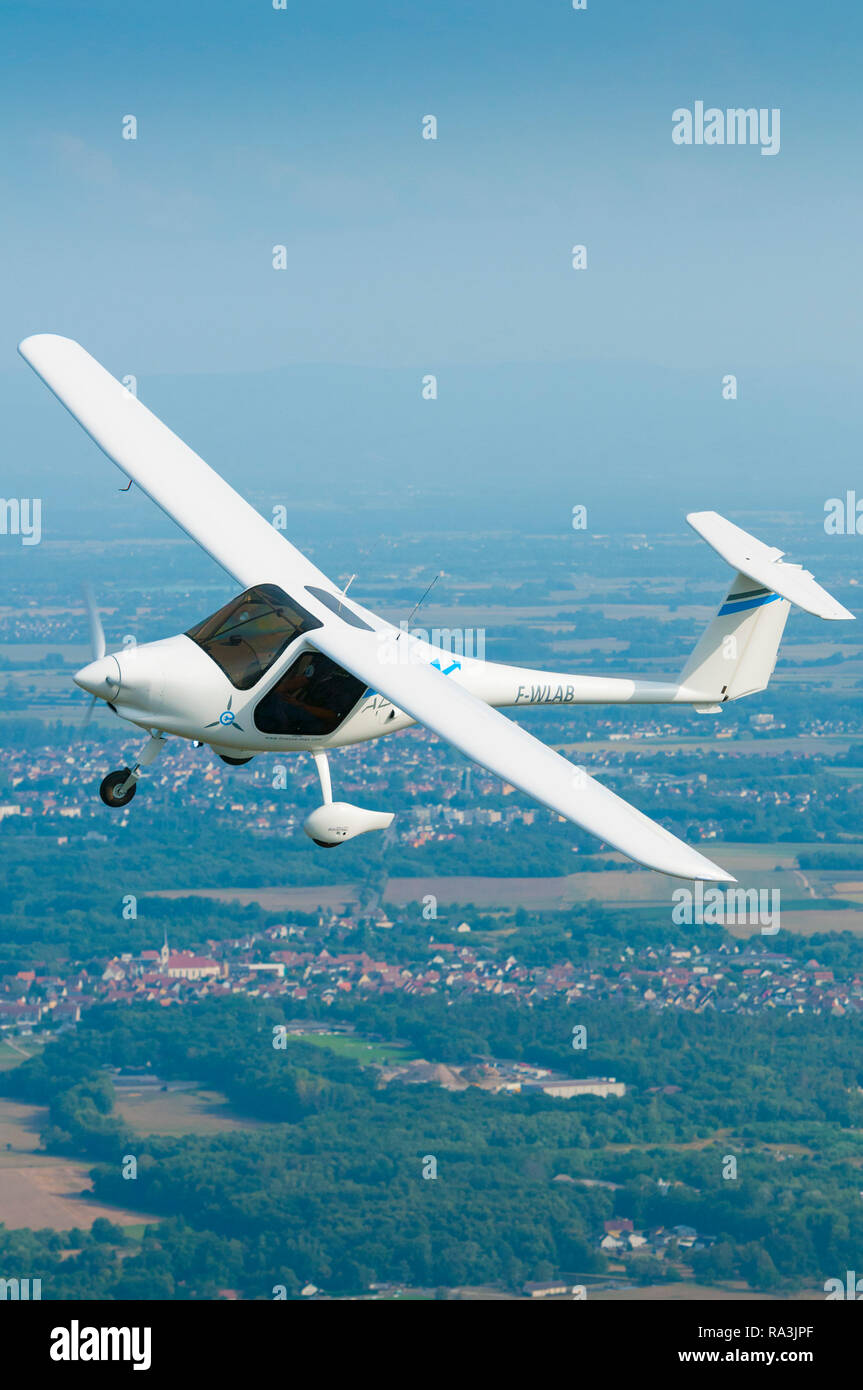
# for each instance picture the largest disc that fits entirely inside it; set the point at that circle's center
(326, 1184)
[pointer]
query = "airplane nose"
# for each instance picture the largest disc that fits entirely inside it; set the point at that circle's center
(100, 677)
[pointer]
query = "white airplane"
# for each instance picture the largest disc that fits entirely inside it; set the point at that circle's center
(292, 665)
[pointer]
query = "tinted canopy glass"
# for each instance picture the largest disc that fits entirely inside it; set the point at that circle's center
(312, 697)
(336, 604)
(246, 636)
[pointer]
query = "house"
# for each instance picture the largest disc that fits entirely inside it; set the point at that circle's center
(21, 1016)
(618, 1226)
(686, 1236)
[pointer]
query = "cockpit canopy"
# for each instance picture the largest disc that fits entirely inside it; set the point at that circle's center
(245, 639)
(246, 636)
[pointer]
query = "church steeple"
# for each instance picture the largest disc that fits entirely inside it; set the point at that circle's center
(164, 954)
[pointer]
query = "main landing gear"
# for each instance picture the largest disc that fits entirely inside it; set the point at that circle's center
(337, 821)
(322, 763)
(119, 787)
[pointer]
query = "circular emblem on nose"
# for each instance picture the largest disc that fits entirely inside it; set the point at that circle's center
(227, 717)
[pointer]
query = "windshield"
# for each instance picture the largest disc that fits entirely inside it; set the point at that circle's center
(246, 636)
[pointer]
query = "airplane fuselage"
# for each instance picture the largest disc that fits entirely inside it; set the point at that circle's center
(173, 686)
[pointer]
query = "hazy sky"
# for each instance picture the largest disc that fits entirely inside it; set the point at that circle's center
(302, 127)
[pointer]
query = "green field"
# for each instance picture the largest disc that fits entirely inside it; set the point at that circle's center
(14, 1056)
(136, 1231)
(357, 1049)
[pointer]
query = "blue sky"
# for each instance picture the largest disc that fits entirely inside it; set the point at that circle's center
(302, 127)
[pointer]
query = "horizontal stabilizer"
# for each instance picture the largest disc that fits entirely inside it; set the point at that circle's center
(764, 565)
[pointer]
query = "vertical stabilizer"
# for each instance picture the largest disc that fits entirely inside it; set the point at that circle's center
(737, 652)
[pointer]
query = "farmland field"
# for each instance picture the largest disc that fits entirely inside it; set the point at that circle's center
(151, 1110)
(38, 1189)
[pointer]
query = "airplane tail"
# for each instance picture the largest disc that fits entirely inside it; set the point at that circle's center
(737, 652)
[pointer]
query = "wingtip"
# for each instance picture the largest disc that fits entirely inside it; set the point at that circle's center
(30, 345)
(697, 520)
(32, 338)
(706, 871)
(693, 867)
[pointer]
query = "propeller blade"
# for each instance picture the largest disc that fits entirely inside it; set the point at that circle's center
(97, 632)
(88, 713)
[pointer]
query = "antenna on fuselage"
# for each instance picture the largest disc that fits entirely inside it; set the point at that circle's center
(421, 601)
(368, 556)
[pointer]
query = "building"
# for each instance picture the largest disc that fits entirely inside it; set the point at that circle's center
(555, 1289)
(182, 965)
(602, 1086)
(188, 967)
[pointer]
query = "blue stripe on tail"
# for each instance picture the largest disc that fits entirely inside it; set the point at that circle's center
(731, 606)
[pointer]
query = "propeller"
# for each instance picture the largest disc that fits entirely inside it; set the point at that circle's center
(97, 643)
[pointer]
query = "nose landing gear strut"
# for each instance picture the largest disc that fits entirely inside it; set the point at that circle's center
(119, 787)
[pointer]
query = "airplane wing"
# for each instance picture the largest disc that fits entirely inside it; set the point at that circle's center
(389, 662)
(240, 540)
(185, 487)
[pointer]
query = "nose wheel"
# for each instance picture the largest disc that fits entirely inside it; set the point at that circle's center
(118, 788)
